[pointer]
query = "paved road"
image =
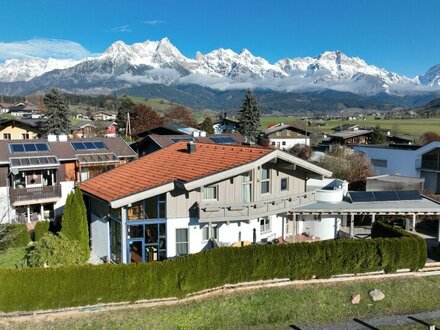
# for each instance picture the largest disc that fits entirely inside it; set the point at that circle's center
(376, 323)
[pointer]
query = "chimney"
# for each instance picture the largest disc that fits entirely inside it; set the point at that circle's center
(191, 147)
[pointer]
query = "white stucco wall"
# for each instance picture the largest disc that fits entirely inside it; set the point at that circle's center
(290, 142)
(99, 231)
(7, 213)
(402, 162)
(66, 188)
(324, 226)
(228, 234)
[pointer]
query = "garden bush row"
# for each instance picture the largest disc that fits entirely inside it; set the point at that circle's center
(45, 288)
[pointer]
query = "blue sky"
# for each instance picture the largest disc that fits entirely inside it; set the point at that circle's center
(401, 36)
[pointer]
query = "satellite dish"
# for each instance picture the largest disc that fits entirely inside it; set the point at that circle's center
(14, 171)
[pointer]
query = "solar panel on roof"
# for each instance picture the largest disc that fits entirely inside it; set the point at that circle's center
(88, 145)
(383, 196)
(99, 145)
(29, 147)
(362, 196)
(223, 139)
(408, 195)
(17, 148)
(185, 138)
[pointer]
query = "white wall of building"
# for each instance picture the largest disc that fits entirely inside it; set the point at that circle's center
(228, 233)
(99, 231)
(7, 213)
(401, 162)
(288, 142)
(324, 226)
(66, 188)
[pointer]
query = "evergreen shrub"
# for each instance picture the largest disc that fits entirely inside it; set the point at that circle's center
(78, 285)
(20, 235)
(40, 229)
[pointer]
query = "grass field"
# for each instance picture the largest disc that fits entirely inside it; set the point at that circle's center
(413, 127)
(10, 257)
(263, 309)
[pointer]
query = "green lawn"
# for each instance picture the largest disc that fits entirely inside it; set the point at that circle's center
(10, 257)
(265, 309)
(408, 126)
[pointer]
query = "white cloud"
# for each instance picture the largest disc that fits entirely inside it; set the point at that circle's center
(122, 28)
(44, 48)
(152, 22)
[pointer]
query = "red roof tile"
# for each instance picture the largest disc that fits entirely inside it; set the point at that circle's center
(167, 165)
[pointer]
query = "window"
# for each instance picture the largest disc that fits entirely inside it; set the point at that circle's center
(247, 187)
(115, 241)
(283, 143)
(273, 143)
(379, 162)
(181, 242)
(265, 180)
(284, 184)
(84, 174)
(264, 225)
(205, 233)
(25, 136)
(210, 193)
(6, 136)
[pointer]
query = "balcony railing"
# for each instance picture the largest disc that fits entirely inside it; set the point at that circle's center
(35, 194)
(218, 212)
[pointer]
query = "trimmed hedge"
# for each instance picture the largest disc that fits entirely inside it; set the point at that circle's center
(41, 228)
(44, 288)
(20, 234)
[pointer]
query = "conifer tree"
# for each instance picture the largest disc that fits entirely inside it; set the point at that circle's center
(207, 124)
(56, 114)
(74, 223)
(249, 117)
(126, 106)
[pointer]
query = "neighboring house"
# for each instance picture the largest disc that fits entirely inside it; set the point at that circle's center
(104, 116)
(225, 125)
(97, 128)
(399, 138)
(36, 176)
(23, 109)
(407, 160)
(154, 142)
(316, 122)
(82, 116)
(19, 129)
(188, 197)
(167, 129)
(284, 137)
(4, 107)
(349, 137)
(394, 182)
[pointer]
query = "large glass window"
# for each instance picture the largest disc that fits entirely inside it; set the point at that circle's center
(136, 211)
(115, 241)
(181, 242)
(265, 180)
(247, 187)
(431, 160)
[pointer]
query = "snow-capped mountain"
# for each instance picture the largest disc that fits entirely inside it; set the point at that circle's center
(25, 70)
(124, 66)
(431, 77)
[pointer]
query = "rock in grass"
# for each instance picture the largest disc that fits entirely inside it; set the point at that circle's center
(356, 299)
(377, 295)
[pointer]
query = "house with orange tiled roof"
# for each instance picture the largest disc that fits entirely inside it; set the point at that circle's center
(188, 197)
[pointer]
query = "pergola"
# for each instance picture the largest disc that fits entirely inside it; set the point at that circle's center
(413, 208)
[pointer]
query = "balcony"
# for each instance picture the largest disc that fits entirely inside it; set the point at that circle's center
(35, 195)
(216, 212)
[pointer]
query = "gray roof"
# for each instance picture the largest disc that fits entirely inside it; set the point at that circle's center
(423, 205)
(393, 178)
(65, 151)
(349, 134)
(278, 127)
